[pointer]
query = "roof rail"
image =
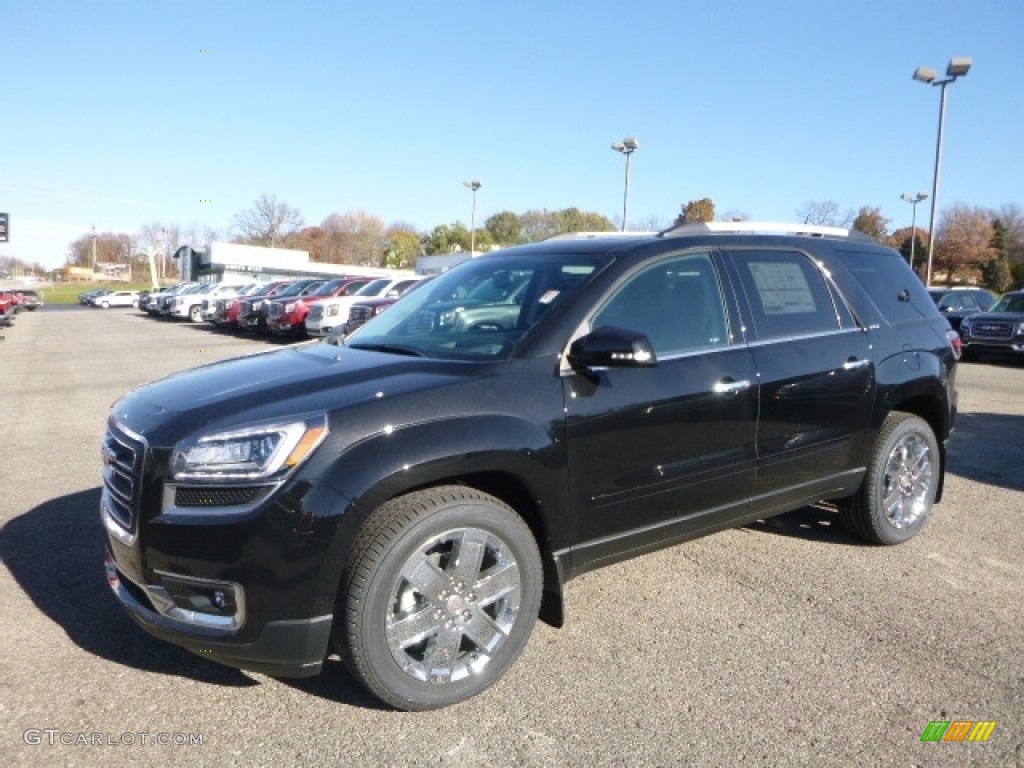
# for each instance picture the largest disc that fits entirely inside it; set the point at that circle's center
(597, 235)
(766, 227)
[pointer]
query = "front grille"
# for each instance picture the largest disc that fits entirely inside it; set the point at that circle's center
(359, 315)
(215, 497)
(316, 312)
(275, 310)
(992, 329)
(123, 457)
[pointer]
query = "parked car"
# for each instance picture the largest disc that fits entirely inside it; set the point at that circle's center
(13, 300)
(366, 309)
(416, 497)
(251, 317)
(116, 299)
(256, 309)
(327, 314)
(286, 316)
(225, 309)
(6, 309)
(1000, 330)
(31, 299)
(958, 302)
(220, 291)
(159, 302)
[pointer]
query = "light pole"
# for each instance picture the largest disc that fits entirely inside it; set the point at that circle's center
(93, 247)
(627, 146)
(958, 67)
(913, 200)
(473, 185)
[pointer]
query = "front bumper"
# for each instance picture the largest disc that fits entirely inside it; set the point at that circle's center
(292, 648)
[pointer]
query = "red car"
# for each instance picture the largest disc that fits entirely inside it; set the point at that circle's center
(288, 316)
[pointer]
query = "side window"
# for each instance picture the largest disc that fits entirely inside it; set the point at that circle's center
(787, 292)
(676, 303)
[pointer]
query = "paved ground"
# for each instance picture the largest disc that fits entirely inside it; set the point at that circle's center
(786, 643)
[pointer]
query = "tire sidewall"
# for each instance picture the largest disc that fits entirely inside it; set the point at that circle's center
(405, 691)
(879, 521)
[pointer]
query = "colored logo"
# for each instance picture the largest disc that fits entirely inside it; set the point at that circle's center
(958, 730)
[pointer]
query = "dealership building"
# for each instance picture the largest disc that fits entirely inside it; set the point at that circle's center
(234, 263)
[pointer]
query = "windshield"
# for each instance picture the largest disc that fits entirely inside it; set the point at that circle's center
(296, 288)
(373, 287)
(329, 287)
(479, 309)
(1011, 302)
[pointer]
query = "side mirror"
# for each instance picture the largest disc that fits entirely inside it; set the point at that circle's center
(611, 347)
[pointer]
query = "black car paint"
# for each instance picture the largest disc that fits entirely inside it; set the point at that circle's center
(578, 455)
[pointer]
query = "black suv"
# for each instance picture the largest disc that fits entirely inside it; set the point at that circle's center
(957, 303)
(999, 330)
(414, 497)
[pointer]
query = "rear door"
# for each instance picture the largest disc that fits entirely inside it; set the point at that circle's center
(816, 378)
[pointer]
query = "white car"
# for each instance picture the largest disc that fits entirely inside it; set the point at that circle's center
(117, 299)
(328, 314)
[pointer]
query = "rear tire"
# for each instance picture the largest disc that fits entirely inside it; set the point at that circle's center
(899, 489)
(438, 598)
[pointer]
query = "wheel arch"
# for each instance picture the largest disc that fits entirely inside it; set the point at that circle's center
(493, 477)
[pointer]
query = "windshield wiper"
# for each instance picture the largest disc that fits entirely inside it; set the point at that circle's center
(396, 349)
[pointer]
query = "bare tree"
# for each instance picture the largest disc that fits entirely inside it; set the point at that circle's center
(963, 242)
(268, 222)
(354, 237)
(825, 213)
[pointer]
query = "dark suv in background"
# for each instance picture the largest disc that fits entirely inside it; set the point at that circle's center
(959, 302)
(999, 331)
(415, 497)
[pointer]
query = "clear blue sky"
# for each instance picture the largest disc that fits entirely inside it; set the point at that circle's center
(123, 113)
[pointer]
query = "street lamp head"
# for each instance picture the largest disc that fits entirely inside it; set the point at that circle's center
(474, 184)
(913, 198)
(627, 145)
(925, 74)
(959, 66)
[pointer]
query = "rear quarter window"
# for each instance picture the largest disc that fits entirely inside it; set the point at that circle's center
(889, 283)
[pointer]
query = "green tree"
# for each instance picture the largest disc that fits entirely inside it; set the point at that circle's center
(870, 221)
(403, 246)
(446, 238)
(540, 224)
(505, 228)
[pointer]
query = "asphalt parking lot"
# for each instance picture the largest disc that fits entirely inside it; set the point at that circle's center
(785, 643)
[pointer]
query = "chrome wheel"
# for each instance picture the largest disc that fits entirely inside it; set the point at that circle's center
(899, 488)
(909, 480)
(439, 595)
(453, 605)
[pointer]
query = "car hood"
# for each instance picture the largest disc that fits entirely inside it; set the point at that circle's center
(304, 378)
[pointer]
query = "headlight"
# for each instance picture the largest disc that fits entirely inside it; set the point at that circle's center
(261, 451)
(289, 307)
(331, 310)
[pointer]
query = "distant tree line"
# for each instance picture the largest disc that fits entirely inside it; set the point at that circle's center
(972, 245)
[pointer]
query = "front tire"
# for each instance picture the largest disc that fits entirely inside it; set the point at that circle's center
(439, 595)
(899, 489)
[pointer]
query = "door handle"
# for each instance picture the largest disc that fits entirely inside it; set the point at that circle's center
(730, 386)
(853, 364)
